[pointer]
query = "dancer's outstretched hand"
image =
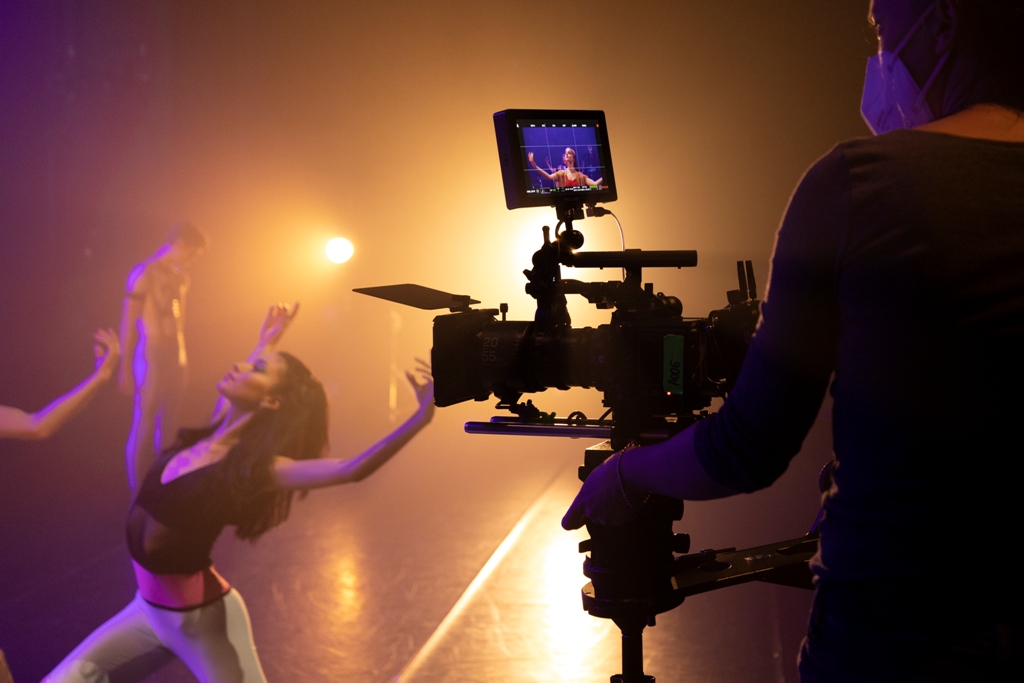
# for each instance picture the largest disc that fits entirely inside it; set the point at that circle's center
(108, 352)
(279, 317)
(422, 383)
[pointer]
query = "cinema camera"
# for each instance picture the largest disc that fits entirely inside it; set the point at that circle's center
(658, 371)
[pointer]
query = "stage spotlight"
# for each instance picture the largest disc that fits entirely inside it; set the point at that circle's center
(339, 250)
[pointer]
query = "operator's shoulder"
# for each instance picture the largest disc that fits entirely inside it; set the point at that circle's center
(831, 171)
(877, 156)
(896, 149)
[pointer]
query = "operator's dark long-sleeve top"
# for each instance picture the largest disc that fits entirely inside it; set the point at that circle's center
(899, 266)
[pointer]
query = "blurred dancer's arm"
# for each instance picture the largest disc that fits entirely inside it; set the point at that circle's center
(18, 424)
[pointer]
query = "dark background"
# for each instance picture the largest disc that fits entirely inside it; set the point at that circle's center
(275, 126)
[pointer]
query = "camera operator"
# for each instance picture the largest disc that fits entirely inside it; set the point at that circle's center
(898, 267)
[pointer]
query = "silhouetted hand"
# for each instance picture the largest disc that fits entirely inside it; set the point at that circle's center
(601, 500)
(422, 383)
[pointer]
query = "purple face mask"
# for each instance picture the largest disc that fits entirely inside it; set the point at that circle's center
(892, 99)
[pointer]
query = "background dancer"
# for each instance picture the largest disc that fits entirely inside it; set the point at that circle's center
(155, 364)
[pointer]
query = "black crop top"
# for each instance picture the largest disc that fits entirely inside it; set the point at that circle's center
(171, 527)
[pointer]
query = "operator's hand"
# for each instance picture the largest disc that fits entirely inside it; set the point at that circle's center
(422, 383)
(601, 500)
(108, 352)
(279, 317)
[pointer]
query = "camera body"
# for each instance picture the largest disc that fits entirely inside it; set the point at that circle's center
(655, 368)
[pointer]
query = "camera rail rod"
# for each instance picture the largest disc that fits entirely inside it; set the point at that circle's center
(513, 427)
(522, 429)
(632, 258)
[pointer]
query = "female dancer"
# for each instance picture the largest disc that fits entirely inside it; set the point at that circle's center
(268, 433)
(569, 176)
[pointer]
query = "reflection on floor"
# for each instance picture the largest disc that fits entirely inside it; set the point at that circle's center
(522, 620)
(360, 584)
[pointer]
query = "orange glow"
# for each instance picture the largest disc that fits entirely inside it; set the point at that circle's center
(576, 639)
(349, 592)
(339, 250)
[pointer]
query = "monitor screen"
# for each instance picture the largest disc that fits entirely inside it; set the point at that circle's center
(554, 157)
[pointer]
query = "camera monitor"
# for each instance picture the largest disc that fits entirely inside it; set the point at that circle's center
(554, 157)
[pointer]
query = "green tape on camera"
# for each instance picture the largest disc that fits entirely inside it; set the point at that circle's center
(672, 364)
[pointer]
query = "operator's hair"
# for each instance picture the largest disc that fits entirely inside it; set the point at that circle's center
(991, 32)
(189, 234)
(990, 36)
(296, 429)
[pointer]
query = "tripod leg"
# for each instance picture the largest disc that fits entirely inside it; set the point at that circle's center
(632, 652)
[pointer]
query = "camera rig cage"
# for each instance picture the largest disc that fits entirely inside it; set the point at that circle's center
(658, 372)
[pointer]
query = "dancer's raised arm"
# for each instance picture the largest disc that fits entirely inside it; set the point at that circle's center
(307, 474)
(550, 176)
(19, 424)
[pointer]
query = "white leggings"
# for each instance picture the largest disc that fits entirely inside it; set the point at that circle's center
(214, 641)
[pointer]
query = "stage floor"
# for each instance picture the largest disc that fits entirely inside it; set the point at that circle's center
(383, 581)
